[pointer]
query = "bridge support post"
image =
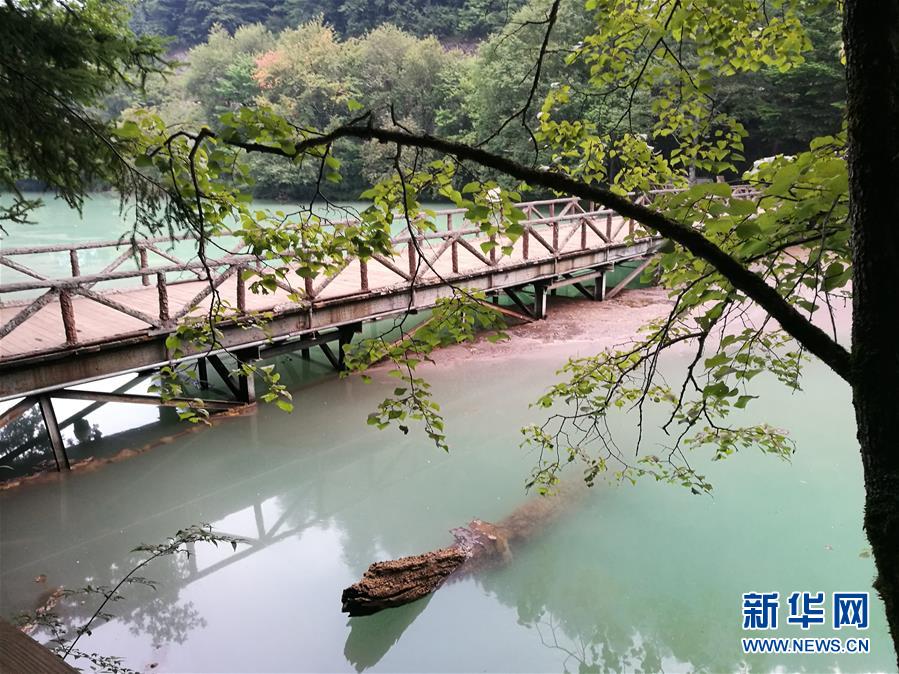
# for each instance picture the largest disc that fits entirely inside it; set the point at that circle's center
(52, 424)
(599, 288)
(513, 295)
(540, 300)
(345, 337)
(246, 383)
(247, 386)
(202, 374)
(244, 389)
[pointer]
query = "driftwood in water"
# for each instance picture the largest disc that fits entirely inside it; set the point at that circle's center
(479, 545)
(399, 581)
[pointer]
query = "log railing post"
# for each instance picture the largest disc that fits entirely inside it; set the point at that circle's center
(555, 225)
(68, 316)
(493, 249)
(583, 233)
(363, 275)
(241, 289)
(525, 239)
(308, 288)
(609, 227)
(163, 293)
(142, 252)
(413, 258)
(73, 261)
(454, 252)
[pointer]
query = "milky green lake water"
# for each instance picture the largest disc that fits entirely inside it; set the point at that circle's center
(643, 578)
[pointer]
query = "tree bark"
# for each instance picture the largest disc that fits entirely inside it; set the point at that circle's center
(871, 37)
(401, 581)
(479, 545)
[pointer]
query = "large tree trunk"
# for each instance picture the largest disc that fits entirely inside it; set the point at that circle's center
(871, 36)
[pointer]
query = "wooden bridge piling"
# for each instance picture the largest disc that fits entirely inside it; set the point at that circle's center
(52, 426)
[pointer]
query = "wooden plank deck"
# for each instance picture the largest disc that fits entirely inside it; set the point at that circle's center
(20, 654)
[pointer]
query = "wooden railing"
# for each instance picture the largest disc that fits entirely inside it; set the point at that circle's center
(552, 228)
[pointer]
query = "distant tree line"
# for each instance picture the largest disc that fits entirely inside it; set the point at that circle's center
(189, 21)
(313, 70)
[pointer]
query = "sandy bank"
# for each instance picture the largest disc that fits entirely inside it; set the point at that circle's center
(570, 321)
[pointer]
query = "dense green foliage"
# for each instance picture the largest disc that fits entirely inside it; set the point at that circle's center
(189, 21)
(309, 74)
(55, 65)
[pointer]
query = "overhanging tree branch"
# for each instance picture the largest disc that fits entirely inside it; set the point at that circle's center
(813, 338)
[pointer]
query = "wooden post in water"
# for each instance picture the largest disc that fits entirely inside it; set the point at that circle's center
(247, 388)
(345, 337)
(599, 287)
(540, 300)
(202, 374)
(55, 437)
(246, 384)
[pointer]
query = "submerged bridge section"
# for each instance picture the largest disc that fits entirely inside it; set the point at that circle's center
(60, 329)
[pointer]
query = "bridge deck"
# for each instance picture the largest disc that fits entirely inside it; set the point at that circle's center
(74, 331)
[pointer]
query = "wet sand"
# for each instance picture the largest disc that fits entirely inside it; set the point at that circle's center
(575, 322)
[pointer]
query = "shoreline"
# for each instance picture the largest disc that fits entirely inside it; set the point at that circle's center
(570, 321)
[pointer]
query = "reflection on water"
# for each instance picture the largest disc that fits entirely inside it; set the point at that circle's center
(372, 636)
(635, 579)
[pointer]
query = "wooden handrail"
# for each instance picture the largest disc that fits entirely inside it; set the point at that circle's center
(145, 271)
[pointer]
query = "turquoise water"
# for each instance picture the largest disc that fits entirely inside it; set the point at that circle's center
(644, 578)
(103, 220)
(641, 578)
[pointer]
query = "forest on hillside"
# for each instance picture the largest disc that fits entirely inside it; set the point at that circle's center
(459, 21)
(314, 61)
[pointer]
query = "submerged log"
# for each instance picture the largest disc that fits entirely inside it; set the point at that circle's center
(479, 545)
(400, 581)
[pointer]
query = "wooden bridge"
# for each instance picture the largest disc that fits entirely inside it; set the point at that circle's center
(65, 329)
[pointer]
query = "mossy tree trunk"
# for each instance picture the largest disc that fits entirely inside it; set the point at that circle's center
(871, 36)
